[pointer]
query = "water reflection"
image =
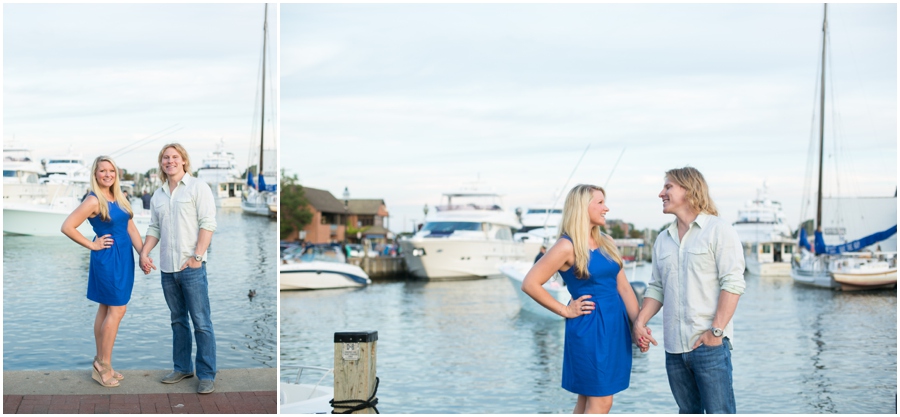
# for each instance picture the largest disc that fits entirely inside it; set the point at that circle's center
(47, 321)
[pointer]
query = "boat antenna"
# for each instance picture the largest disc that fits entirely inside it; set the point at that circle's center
(566, 185)
(822, 121)
(614, 168)
(262, 121)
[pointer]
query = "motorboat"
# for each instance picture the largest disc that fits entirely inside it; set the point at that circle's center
(21, 175)
(321, 267)
(219, 170)
(304, 398)
(468, 236)
(515, 272)
(765, 236)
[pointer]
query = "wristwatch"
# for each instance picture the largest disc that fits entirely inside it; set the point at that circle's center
(199, 258)
(717, 332)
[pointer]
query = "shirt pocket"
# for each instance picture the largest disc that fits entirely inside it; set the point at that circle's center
(161, 209)
(668, 265)
(186, 207)
(700, 259)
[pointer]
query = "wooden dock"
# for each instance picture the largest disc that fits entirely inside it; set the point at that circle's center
(381, 266)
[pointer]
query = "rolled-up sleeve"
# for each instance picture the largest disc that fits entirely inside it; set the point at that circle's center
(655, 286)
(153, 229)
(206, 207)
(730, 260)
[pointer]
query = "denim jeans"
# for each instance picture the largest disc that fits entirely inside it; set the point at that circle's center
(701, 379)
(187, 294)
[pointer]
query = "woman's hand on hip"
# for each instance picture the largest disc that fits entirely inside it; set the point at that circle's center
(102, 242)
(579, 307)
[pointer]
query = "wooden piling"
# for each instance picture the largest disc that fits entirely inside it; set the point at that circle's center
(354, 371)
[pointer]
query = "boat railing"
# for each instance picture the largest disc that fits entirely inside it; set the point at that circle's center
(446, 207)
(299, 373)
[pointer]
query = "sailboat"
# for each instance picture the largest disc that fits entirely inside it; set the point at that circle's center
(841, 265)
(261, 198)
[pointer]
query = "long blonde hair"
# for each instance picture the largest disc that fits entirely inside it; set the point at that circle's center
(697, 192)
(181, 151)
(576, 223)
(116, 190)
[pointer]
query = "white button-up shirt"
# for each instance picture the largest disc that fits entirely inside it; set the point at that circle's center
(176, 220)
(688, 276)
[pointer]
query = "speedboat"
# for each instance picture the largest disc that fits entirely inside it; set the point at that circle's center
(515, 272)
(321, 267)
(468, 236)
(765, 236)
(219, 170)
(304, 398)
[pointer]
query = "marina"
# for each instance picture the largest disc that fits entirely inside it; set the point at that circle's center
(467, 347)
(47, 321)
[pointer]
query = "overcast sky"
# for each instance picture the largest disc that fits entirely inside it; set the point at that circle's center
(405, 102)
(100, 77)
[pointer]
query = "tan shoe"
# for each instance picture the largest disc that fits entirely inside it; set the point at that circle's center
(97, 374)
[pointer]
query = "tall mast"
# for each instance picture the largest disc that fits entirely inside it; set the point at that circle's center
(822, 122)
(262, 122)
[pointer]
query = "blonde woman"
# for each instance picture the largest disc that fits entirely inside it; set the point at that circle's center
(111, 274)
(597, 356)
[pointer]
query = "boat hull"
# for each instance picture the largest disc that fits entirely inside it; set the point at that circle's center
(305, 399)
(814, 278)
(460, 259)
(767, 268)
(515, 273)
(319, 275)
(866, 280)
(35, 220)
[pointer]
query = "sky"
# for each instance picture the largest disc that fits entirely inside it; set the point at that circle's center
(125, 79)
(405, 102)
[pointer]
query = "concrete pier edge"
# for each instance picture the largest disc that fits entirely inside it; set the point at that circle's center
(79, 382)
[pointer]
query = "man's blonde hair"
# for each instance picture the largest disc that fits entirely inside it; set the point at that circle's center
(697, 191)
(181, 151)
(576, 223)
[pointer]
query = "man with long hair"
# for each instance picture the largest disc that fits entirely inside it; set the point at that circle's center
(698, 273)
(183, 219)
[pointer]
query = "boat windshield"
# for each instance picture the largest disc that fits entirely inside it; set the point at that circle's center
(544, 211)
(450, 227)
(323, 253)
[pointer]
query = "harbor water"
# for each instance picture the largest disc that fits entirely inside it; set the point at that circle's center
(48, 321)
(465, 347)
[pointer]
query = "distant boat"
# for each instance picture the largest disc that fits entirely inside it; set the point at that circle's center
(838, 265)
(765, 236)
(468, 236)
(219, 170)
(321, 267)
(261, 198)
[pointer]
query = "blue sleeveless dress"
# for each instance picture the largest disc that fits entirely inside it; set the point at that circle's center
(597, 352)
(111, 275)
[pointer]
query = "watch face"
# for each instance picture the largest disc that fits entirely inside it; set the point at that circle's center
(717, 332)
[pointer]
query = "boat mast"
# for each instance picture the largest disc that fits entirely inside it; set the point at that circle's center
(262, 122)
(822, 122)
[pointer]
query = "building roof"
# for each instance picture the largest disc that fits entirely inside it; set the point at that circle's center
(323, 201)
(364, 206)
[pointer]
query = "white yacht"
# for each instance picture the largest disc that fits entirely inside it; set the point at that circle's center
(515, 272)
(219, 170)
(21, 175)
(466, 237)
(298, 396)
(765, 235)
(321, 267)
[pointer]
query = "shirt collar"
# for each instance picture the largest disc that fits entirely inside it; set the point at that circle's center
(701, 221)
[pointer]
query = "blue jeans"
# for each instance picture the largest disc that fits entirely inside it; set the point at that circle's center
(701, 379)
(186, 294)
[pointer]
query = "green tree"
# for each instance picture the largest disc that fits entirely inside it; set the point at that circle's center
(292, 206)
(617, 232)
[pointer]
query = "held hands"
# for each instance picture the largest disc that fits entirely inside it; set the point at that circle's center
(102, 242)
(579, 307)
(641, 336)
(146, 264)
